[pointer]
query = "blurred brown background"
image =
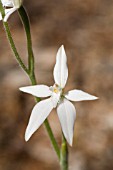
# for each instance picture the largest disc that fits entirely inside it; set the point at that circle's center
(85, 27)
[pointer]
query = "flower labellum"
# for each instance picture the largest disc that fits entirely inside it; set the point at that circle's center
(10, 6)
(65, 109)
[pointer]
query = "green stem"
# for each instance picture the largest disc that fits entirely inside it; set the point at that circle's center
(52, 138)
(7, 30)
(25, 20)
(2, 10)
(64, 154)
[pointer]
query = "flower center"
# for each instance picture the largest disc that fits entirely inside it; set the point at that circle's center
(56, 94)
(56, 89)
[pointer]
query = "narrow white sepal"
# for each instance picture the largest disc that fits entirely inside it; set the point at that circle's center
(67, 114)
(37, 90)
(60, 69)
(39, 113)
(8, 12)
(79, 95)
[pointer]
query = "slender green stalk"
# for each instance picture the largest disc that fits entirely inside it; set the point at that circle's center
(19, 60)
(52, 138)
(25, 20)
(64, 154)
(30, 70)
(2, 10)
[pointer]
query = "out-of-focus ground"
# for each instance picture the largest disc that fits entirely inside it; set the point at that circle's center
(85, 27)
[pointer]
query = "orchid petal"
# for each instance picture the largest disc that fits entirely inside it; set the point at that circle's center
(8, 12)
(7, 3)
(67, 114)
(79, 95)
(60, 69)
(39, 113)
(37, 90)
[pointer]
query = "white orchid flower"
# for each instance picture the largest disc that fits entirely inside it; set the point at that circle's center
(10, 7)
(65, 109)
